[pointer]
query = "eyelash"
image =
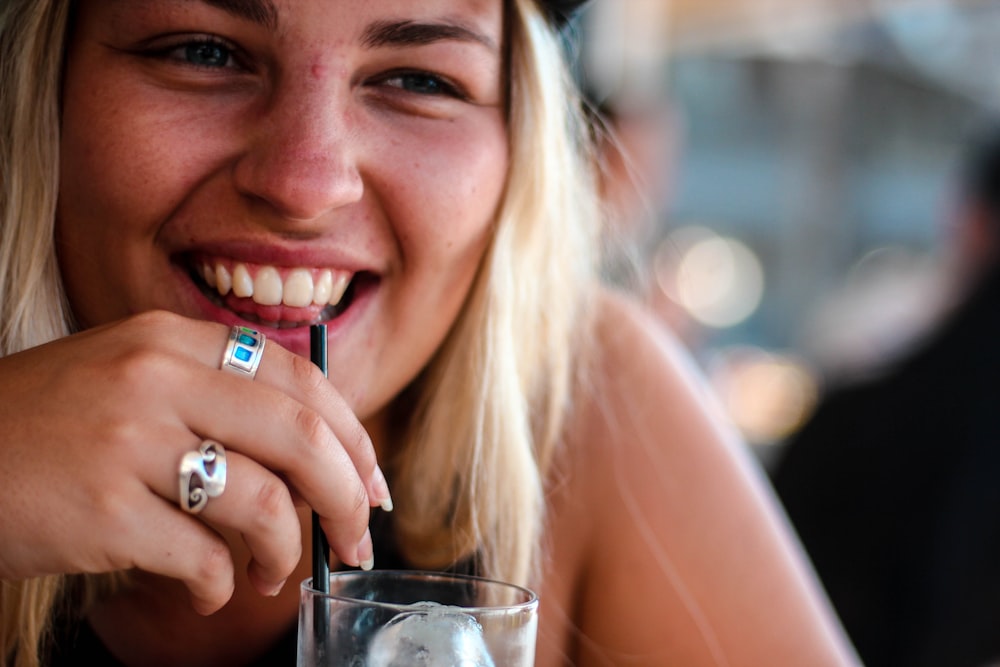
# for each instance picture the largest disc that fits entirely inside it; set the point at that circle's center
(183, 53)
(442, 87)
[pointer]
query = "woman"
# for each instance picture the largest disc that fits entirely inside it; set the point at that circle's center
(413, 175)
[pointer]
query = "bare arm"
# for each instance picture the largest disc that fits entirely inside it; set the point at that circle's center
(688, 558)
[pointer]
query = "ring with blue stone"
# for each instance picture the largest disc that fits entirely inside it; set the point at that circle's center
(243, 351)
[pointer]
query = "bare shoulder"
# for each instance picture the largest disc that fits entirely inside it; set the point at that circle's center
(642, 386)
(660, 502)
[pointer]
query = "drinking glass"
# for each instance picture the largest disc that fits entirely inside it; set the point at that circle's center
(402, 618)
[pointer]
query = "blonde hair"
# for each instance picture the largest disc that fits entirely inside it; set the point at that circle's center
(487, 413)
(471, 475)
(32, 304)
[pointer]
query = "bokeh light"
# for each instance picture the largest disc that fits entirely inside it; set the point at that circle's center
(768, 395)
(717, 279)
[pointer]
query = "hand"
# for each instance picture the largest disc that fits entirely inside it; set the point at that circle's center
(95, 425)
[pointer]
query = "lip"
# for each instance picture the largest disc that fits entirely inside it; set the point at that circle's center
(304, 254)
(296, 339)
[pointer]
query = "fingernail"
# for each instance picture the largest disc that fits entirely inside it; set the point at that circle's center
(366, 555)
(381, 489)
(277, 589)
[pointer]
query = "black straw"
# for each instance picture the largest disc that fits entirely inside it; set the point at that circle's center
(320, 545)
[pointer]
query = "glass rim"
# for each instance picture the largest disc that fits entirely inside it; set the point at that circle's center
(529, 601)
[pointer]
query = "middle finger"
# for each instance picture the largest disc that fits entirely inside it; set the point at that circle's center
(258, 505)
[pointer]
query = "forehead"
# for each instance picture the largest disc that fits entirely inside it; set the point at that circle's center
(318, 23)
(271, 13)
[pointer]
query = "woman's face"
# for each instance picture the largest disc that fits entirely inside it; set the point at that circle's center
(243, 161)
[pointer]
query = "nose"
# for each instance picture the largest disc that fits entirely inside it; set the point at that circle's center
(301, 160)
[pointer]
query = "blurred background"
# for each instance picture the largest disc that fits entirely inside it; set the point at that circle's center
(785, 171)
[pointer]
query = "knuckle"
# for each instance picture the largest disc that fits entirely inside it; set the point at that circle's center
(271, 501)
(152, 322)
(359, 442)
(214, 564)
(306, 374)
(121, 436)
(149, 330)
(143, 366)
(360, 508)
(282, 562)
(355, 508)
(312, 429)
(110, 508)
(351, 516)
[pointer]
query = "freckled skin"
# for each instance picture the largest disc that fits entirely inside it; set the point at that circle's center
(307, 147)
(304, 163)
(294, 149)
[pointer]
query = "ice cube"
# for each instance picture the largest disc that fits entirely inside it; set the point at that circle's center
(430, 635)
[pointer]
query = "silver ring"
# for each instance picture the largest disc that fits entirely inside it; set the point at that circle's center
(243, 351)
(202, 476)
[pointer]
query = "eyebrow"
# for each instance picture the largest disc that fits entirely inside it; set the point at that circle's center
(411, 33)
(262, 12)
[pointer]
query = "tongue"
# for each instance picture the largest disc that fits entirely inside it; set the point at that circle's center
(281, 313)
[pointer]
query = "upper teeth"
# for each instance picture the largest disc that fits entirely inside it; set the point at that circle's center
(299, 287)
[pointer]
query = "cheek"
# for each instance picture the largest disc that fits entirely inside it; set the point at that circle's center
(449, 197)
(105, 170)
(102, 183)
(111, 161)
(130, 153)
(125, 165)
(91, 186)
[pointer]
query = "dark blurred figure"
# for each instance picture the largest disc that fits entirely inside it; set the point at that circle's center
(894, 484)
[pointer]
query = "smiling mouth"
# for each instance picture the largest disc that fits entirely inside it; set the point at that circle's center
(277, 297)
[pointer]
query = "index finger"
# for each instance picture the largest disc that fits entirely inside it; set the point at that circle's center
(300, 379)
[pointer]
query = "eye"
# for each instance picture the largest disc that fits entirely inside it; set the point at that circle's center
(207, 54)
(199, 52)
(422, 83)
